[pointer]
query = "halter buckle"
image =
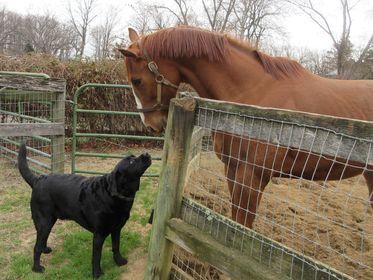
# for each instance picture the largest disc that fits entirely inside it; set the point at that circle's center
(153, 67)
(159, 79)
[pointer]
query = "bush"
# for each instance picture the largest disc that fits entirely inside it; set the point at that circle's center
(77, 73)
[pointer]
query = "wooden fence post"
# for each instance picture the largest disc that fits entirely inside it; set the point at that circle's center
(58, 141)
(171, 181)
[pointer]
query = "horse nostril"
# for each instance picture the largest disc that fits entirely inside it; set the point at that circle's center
(136, 82)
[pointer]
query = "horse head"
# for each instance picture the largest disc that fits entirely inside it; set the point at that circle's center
(154, 82)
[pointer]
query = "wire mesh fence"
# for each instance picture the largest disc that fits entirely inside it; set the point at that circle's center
(316, 203)
(32, 111)
(291, 192)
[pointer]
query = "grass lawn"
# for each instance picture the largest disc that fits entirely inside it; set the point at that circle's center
(71, 244)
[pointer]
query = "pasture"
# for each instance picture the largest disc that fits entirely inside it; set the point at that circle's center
(71, 244)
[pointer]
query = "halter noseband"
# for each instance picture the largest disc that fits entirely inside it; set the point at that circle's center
(160, 80)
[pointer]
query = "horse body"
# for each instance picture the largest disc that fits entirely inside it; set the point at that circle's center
(242, 79)
(245, 75)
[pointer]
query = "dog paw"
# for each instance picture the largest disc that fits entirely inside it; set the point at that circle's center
(38, 268)
(97, 275)
(47, 250)
(120, 261)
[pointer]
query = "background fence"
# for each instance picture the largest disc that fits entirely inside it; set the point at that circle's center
(108, 132)
(303, 182)
(32, 110)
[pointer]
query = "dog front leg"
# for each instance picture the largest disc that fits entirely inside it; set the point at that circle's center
(98, 241)
(115, 241)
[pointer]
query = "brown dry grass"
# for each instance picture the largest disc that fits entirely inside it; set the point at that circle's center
(342, 234)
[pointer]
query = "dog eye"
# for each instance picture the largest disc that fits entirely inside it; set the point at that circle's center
(136, 82)
(132, 161)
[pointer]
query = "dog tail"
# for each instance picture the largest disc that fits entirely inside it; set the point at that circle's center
(23, 167)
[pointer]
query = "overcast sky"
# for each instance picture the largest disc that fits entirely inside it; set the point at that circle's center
(300, 30)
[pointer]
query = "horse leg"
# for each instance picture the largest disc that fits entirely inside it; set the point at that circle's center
(369, 179)
(246, 188)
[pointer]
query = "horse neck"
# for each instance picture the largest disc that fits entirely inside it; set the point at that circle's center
(239, 78)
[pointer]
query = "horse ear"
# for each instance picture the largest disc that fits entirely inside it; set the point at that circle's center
(133, 34)
(128, 53)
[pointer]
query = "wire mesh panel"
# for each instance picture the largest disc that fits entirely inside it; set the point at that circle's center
(38, 152)
(32, 110)
(302, 182)
(186, 266)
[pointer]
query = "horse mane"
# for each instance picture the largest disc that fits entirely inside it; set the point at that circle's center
(186, 42)
(193, 42)
(279, 67)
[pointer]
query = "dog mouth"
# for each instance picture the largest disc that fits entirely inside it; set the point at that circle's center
(146, 159)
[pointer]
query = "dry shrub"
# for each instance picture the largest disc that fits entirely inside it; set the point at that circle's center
(77, 73)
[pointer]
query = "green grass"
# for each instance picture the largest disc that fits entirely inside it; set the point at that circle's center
(71, 244)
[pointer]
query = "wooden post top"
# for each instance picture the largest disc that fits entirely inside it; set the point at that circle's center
(32, 84)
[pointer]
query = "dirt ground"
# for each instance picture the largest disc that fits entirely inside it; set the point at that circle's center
(330, 222)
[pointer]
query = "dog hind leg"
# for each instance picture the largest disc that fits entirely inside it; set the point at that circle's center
(43, 228)
(115, 241)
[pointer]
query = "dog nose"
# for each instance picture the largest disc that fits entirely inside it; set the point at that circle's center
(146, 157)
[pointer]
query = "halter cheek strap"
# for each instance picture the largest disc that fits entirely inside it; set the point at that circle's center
(160, 80)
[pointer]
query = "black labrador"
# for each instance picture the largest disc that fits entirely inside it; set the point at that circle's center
(100, 204)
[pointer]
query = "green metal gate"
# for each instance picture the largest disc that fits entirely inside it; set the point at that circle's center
(77, 135)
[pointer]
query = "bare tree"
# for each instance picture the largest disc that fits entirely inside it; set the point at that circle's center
(81, 16)
(141, 21)
(218, 13)
(253, 18)
(103, 34)
(341, 42)
(38, 33)
(366, 54)
(47, 35)
(9, 35)
(183, 12)
(160, 18)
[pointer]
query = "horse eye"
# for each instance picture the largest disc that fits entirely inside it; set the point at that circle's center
(136, 82)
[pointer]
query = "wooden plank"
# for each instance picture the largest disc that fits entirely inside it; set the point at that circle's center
(230, 261)
(32, 83)
(354, 128)
(178, 273)
(330, 136)
(271, 255)
(58, 141)
(171, 181)
(31, 129)
(14, 95)
(197, 138)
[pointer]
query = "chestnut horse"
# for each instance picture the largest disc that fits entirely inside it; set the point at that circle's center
(222, 68)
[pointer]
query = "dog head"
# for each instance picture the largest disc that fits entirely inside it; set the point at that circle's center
(125, 178)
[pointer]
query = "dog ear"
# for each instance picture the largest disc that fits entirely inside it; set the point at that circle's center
(112, 181)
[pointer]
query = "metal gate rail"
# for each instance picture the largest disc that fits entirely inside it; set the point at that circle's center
(76, 135)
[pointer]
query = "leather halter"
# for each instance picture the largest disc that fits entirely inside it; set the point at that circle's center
(160, 80)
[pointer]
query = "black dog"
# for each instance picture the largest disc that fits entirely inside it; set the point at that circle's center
(100, 204)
